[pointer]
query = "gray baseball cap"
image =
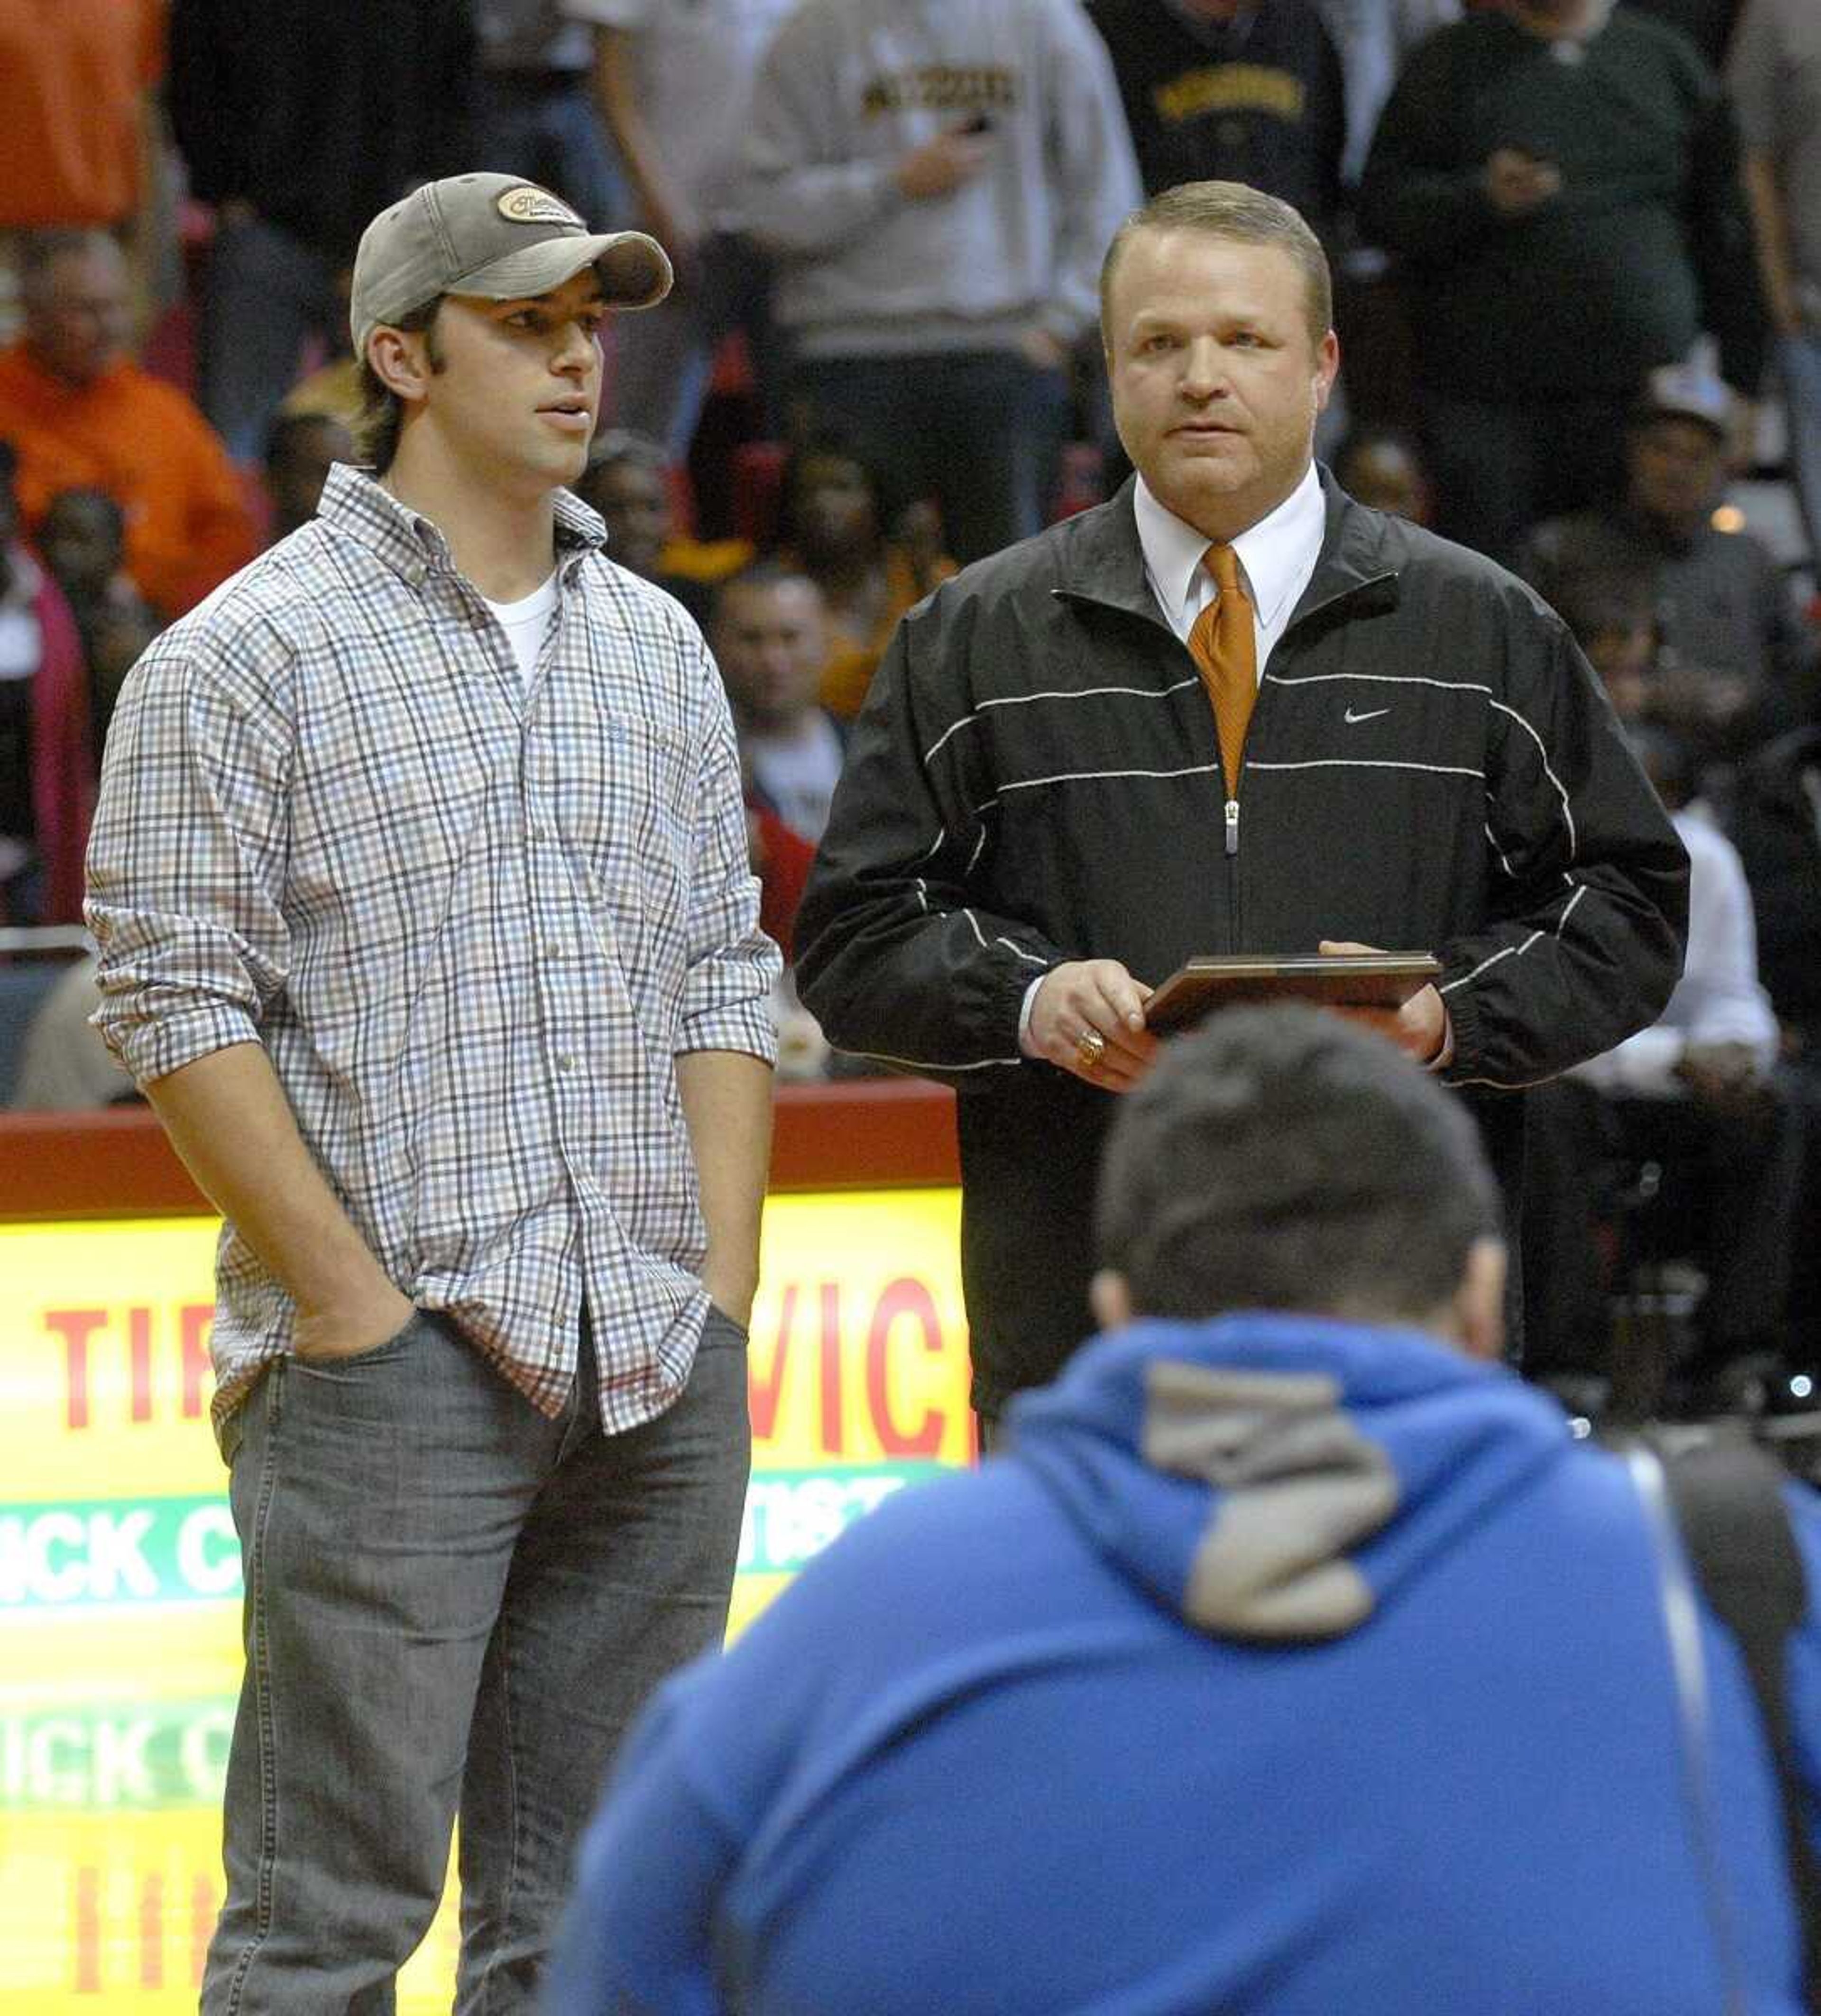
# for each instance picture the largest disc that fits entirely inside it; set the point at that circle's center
(498, 236)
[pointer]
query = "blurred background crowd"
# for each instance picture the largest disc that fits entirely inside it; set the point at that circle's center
(1577, 256)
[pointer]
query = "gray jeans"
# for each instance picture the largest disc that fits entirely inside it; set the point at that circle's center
(453, 1605)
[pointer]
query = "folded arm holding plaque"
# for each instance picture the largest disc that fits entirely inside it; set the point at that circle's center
(1335, 980)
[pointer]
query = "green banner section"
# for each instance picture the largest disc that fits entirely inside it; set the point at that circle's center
(65, 1559)
(114, 1757)
(105, 1554)
(793, 1514)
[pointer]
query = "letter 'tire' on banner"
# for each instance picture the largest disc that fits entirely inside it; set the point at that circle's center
(104, 1360)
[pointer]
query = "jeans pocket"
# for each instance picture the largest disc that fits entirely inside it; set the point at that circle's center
(721, 1330)
(395, 1346)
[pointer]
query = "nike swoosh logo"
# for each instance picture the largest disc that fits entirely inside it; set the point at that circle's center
(1354, 720)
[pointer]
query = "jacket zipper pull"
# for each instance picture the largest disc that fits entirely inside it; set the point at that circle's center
(1232, 825)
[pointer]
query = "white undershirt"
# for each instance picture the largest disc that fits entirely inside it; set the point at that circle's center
(526, 623)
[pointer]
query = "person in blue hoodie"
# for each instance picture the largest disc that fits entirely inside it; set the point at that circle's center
(1294, 1660)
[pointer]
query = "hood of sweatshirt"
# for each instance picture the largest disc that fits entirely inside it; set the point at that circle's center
(1278, 1478)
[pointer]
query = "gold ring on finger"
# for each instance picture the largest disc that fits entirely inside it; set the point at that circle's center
(1090, 1047)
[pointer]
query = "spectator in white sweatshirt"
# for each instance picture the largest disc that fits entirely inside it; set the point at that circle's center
(935, 181)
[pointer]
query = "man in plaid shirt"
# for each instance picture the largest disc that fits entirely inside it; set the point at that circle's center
(420, 881)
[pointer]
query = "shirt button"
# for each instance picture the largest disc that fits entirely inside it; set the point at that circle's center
(539, 830)
(565, 1063)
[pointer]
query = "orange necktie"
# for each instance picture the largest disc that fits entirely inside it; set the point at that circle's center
(1225, 645)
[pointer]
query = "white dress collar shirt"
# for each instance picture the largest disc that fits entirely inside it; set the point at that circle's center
(1277, 557)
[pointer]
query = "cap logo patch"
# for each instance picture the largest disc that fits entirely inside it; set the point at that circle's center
(529, 205)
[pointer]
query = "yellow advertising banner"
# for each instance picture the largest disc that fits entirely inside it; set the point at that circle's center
(120, 1574)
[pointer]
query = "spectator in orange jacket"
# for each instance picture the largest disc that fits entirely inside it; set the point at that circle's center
(83, 416)
(75, 79)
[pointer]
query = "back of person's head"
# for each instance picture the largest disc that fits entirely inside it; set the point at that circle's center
(1235, 210)
(1281, 1158)
(296, 438)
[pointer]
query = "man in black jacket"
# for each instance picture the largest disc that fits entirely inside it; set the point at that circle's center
(1037, 823)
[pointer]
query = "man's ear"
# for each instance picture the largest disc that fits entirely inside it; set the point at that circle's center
(1110, 1297)
(1478, 1308)
(1327, 369)
(401, 361)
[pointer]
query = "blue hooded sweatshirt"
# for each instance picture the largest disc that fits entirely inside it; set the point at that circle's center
(1283, 1668)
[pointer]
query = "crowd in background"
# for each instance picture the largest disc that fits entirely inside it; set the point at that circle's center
(1577, 256)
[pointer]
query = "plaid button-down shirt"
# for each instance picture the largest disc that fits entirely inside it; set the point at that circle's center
(473, 923)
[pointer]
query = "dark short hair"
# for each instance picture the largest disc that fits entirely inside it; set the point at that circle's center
(381, 419)
(1280, 1158)
(773, 572)
(1235, 210)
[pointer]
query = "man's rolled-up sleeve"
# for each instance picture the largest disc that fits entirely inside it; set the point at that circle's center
(733, 965)
(186, 864)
